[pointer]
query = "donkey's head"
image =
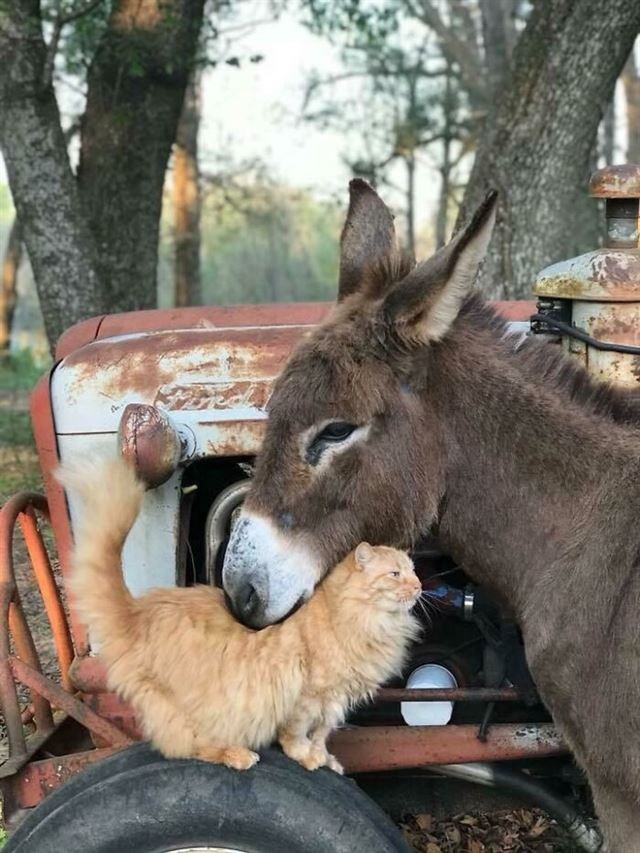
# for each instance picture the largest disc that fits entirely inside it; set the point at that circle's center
(352, 449)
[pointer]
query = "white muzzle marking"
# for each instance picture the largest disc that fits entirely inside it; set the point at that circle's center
(279, 567)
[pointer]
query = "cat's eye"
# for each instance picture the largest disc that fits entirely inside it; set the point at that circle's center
(395, 574)
(336, 431)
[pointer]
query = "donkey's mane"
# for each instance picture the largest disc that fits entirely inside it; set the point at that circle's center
(546, 364)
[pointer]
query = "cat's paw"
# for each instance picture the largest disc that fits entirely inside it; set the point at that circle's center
(313, 760)
(333, 764)
(240, 758)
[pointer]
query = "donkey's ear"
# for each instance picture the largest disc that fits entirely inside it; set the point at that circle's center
(369, 252)
(423, 307)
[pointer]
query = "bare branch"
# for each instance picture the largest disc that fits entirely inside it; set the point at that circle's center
(455, 49)
(52, 48)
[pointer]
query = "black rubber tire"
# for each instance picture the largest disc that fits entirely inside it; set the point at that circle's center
(138, 802)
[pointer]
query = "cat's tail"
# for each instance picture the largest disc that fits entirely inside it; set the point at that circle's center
(110, 497)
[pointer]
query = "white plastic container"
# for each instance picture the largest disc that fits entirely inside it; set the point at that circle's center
(428, 713)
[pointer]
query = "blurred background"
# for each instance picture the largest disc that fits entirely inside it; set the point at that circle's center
(181, 152)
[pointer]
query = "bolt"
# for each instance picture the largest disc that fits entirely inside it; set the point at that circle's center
(620, 187)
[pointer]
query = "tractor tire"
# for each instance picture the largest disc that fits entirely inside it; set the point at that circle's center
(136, 801)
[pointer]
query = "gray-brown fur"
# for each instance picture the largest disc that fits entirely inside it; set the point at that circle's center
(528, 470)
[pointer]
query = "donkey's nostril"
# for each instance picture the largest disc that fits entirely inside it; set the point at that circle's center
(246, 602)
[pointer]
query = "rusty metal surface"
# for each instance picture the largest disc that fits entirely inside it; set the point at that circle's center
(620, 181)
(111, 707)
(380, 748)
(613, 323)
(602, 275)
(13, 624)
(149, 442)
(26, 650)
(73, 707)
(88, 675)
(445, 694)
(49, 592)
(162, 366)
(205, 316)
(602, 287)
(9, 704)
(42, 422)
(278, 314)
(32, 783)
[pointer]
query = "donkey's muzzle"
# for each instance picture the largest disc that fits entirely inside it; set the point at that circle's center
(266, 571)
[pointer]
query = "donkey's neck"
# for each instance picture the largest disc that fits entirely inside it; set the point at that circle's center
(534, 477)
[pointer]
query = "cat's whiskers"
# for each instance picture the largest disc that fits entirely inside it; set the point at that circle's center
(431, 602)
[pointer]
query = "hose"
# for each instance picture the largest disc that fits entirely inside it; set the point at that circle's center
(498, 776)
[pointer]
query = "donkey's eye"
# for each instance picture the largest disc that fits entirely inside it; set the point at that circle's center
(336, 431)
(333, 434)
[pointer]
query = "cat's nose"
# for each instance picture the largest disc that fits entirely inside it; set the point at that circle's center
(245, 603)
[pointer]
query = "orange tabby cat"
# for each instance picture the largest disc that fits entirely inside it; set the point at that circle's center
(204, 686)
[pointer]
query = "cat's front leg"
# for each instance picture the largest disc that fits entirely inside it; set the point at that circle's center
(295, 743)
(319, 749)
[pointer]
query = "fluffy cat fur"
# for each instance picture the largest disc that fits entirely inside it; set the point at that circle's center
(204, 686)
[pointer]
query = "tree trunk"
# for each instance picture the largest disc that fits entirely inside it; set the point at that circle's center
(499, 36)
(445, 169)
(186, 200)
(609, 132)
(44, 190)
(537, 141)
(631, 80)
(410, 162)
(136, 86)
(8, 285)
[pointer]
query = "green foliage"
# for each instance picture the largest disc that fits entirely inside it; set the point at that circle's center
(15, 428)
(366, 23)
(19, 371)
(263, 242)
(18, 375)
(80, 37)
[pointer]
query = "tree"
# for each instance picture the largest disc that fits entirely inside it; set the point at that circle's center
(531, 83)
(92, 241)
(264, 241)
(631, 81)
(538, 139)
(400, 111)
(441, 76)
(186, 200)
(9, 283)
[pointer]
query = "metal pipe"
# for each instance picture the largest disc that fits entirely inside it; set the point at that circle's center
(497, 776)
(447, 694)
(368, 749)
(56, 695)
(218, 520)
(49, 591)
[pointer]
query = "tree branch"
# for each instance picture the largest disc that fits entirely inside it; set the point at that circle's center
(52, 48)
(454, 48)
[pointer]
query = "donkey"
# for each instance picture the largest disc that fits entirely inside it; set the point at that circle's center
(412, 409)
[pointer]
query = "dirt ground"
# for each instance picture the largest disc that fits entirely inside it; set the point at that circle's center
(520, 831)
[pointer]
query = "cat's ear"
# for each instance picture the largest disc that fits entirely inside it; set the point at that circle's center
(364, 555)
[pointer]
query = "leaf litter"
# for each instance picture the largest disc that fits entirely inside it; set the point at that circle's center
(519, 831)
